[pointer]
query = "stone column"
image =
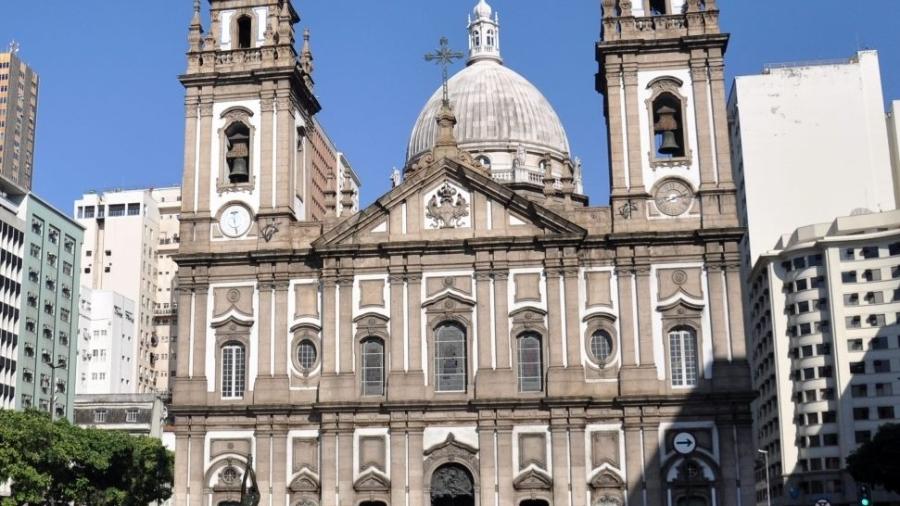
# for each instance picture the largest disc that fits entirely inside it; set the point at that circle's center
(345, 314)
(557, 335)
(328, 474)
(399, 484)
(501, 318)
(729, 481)
(573, 320)
(717, 309)
(264, 172)
(505, 463)
(486, 460)
(329, 343)
(634, 469)
(180, 489)
(284, 188)
(652, 469)
(184, 332)
(191, 117)
(617, 126)
(397, 323)
(345, 472)
(281, 337)
(633, 107)
(265, 326)
(195, 473)
(735, 311)
(262, 461)
(578, 460)
(704, 148)
(720, 119)
(645, 307)
(483, 308)
(414, 294)
(559, 448)
(416, 467)
(279, 461)
(207, 178)
(200, 328)
(627, 326)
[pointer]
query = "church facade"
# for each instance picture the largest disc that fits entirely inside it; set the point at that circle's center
(479, 335)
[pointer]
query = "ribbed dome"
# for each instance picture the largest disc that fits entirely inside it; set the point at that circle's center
(483, 10)
(495, 108)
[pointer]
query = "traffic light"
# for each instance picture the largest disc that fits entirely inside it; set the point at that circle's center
(864, 496)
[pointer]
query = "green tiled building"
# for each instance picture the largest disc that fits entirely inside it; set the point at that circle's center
(48, 320)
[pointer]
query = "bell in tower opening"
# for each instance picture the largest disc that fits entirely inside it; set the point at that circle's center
(238, 155)
(667, 126)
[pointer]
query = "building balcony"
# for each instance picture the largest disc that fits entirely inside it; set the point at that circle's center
(162, 310)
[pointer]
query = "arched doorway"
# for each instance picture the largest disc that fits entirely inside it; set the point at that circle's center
(534, 502)
(372, 503)
(452, 485)
(229, 503)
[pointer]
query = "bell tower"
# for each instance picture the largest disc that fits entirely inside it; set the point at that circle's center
(662, 77)
(248, 106)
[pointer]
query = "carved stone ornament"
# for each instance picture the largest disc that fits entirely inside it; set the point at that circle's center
(229, 475)
(451, 481)
(533, 479)
(679, 277)
(447, 208)
(627, 209)
(372, 481)
(269, 231)
(233, 296)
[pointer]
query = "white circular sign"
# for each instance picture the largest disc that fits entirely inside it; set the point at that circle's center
(235, 221)
(684, 443)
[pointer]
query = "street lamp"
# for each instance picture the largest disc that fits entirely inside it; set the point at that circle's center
(768, 489)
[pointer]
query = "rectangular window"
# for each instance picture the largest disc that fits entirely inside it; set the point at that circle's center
(829, 440)
(450, 359)
(851, 299)
(885, 412)
(801, 284)
(799, 263)
(116, 210)
(855, 345)
(878, 343)
(872, 275)
(863, 436)
(859, 391)
(131, 416)
(870, 252)
(100, 416)
(134, 209)
(89, 212)
(884, 389)
(860, 413)
(857, 367)
(881, 366)
(853, 322)
(848, 277)
(233, 369)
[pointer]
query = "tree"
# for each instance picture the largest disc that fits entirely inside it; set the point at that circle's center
(57, 461)
(877, 462)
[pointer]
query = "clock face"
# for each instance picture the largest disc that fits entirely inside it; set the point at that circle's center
(235, 221)
(673, 197)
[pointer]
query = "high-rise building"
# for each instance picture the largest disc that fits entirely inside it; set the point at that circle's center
(49, 308)
(18, 114)
(798, 162)
(894, 143)
(479, 334)
(12, 239)
(106, 359)
(824, 319)
(163, 341)
(119, 254)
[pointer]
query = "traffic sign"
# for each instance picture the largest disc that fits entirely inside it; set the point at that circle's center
(684, 443)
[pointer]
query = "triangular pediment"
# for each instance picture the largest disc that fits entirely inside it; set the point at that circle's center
(445, 201)
(372, 481)
(305, 481)
(533, 479)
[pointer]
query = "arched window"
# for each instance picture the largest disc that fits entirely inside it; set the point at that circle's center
(238, 154)
(601, 346)
(233, 370)
(245, 32)
(476, 38)
(452, 485)
(372, 366)
(449, 358)
(490, 38)
(668, 127)
(657, 7)
(484, 161)
(531, 366)
(684, 356)
(306, 355)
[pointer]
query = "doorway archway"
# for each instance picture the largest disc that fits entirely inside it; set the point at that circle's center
(452, 485)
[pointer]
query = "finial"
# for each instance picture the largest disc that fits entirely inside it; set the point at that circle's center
(444, 57)
(14, 47)
(195, 20)
(306, 56)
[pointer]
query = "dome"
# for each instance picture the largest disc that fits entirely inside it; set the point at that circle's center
(496, 109)
(483, 10)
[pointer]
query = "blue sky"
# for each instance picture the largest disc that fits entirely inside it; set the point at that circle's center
(111, 113)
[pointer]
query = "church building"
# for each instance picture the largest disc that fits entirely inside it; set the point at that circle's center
(480, 335)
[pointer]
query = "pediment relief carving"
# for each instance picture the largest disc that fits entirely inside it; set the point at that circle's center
(233, 299)
(451, 446)
(449, 302)
(681, 309)
(372, 481)
(448, 206)
(606, 480)
(451, 451)
(371, 322)
(305, 481)
(533, 479)
(687, 281)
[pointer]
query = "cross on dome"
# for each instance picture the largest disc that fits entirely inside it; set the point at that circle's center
(484, 34)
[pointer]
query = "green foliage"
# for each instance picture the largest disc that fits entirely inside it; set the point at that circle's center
(58, 461)
(878, 461)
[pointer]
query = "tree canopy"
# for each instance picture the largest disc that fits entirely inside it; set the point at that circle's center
(45, 460)
(878, 461)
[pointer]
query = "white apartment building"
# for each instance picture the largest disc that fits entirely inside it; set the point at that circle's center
(809, 143)
(119, 254)
(824, 342)
(165, 308)
(894, 142)
(106, 360)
